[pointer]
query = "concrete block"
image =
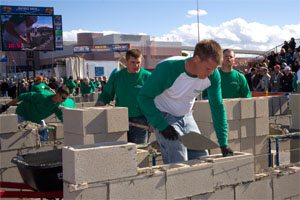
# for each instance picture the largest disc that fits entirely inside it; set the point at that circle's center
(188, 180)
(99, 162)
(233, 169)
(93, 97)
(144, 186)
(11, 110)
(294, 102)
(234, 129)
(5, 158)
(261, 107)
(52, 119)
(222, 193)
(142, 157)
(286, 185)
(284, 107)
(201, 111)
(18, 140)
(261, 145)
(247, 108)
(284, 158)
(261, 162)
(71, 139)
(96, 120)
(295, 120)
(94, 191)
(8, 123)
(276, 105)
(59, 130)
(88, 104)
(259, 189)
(247, 128)
(11, 174)
(233, 108)
(261, 126)
(78, 105)
(247, 145)
(271, 112)
(295, 150)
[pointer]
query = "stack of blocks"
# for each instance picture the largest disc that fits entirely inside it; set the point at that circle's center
(248, 126)
(295, 109)
(109, 171)
(95, 124)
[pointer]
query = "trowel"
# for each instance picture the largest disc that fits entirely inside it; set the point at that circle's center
(196, 141)
(191, 140)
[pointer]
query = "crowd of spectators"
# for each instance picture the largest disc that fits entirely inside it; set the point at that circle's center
(13, 88)
(277, 71)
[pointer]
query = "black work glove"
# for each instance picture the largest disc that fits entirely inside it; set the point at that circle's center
(4, 108)
(169, 133)
(226, 151)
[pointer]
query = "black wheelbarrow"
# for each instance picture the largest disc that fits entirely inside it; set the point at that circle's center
(42, 171)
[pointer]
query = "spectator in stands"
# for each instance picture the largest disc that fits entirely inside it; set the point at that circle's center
(275, 79)
(22, 86)
(264, 83)
(272, 60)
(125, 85)
(54, 83)
(295, 66)
(285, 46)
(249, 77)
(61, 82)
(292, 44)
(12, 88)
(4, 88)
(233, 83)
(286, 80)
(256, 78)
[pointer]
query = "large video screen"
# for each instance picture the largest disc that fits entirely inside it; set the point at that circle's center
(27, 32)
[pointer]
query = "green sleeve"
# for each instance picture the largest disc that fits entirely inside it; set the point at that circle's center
(162, 78)
(245, 90)
(59, 113)
(82, 89)
(108, 91)
(217, 108)
(294, 84)
(93, 86)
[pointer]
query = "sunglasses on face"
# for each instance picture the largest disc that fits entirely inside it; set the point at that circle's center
(63, 98)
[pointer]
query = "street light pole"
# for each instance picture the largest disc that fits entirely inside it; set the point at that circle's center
(198, 21)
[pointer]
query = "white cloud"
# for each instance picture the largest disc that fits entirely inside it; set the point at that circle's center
(193, 13)
(235, 34)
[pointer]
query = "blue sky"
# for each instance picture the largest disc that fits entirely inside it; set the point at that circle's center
(242, 24)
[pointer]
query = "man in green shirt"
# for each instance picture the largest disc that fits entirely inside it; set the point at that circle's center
(125, 86)
(36, 106)
(71, 85)
(39, 86)
(169, 94)
(87, 87)
(233, 83)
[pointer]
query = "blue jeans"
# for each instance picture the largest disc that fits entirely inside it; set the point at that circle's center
(174, 151)
(135, 134)
(43, 134)
(4, 93)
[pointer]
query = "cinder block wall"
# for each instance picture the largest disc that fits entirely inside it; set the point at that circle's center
(248, 126)
(213, 177)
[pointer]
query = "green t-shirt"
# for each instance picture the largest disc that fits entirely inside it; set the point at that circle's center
(39, 87)
(36, 106)
(71, 85)
(125, 86)
(87, 89)
(171, 89)
(294, 83)
(234, 85)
